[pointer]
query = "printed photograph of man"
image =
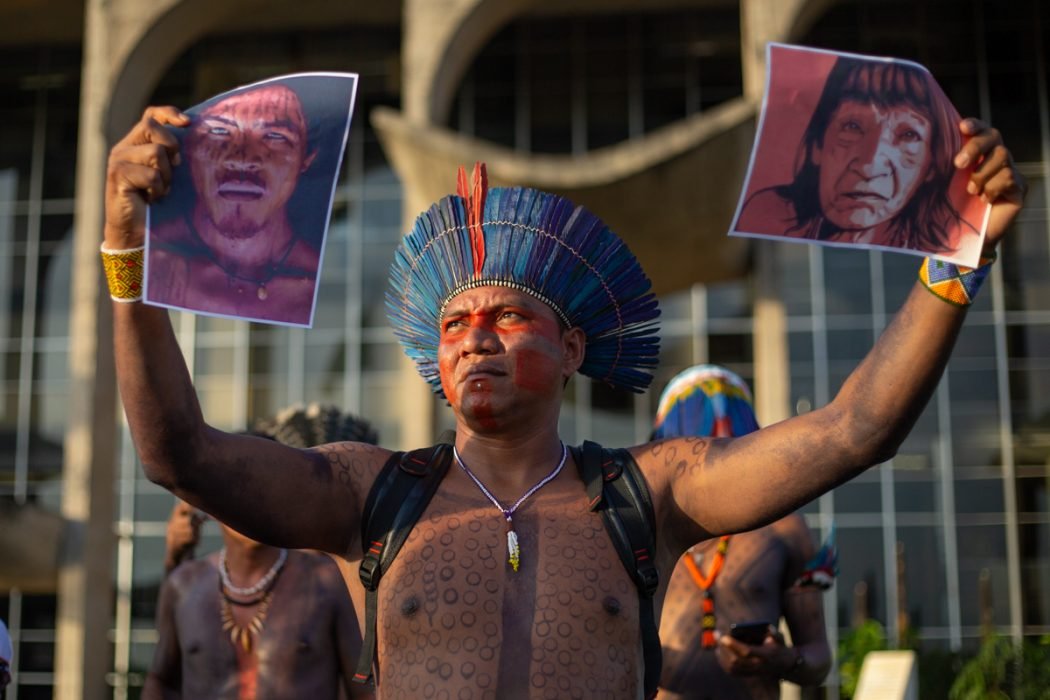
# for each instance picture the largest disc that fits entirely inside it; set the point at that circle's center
(244, 234)
(872, 165)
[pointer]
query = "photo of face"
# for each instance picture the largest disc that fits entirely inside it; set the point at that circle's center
(858, 151)
(872, 161)
(241, 232)
(246, 154)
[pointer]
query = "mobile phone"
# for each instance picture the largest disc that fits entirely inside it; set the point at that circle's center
(749, 632)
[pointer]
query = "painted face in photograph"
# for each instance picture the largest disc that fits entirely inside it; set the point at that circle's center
(246, 154)
(872, 161)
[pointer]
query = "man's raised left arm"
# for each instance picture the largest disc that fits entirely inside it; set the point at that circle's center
(707, 487)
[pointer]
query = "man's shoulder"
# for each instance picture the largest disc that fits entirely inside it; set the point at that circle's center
(191, 573)
(793, 530)
(311, 561)
(660, 460)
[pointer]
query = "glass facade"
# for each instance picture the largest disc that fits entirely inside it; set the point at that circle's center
(39, 106)
(966, 496)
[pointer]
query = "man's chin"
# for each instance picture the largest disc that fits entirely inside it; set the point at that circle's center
(238, 227)
(855, 224)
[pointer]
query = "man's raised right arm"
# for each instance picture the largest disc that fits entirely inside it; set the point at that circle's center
(268, 491)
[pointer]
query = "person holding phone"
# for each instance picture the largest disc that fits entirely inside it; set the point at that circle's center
(726, 595)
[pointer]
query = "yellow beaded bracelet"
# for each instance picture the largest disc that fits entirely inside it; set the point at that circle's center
(955, 284)
(124, 272)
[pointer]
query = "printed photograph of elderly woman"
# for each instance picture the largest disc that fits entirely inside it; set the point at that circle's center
(872, 163)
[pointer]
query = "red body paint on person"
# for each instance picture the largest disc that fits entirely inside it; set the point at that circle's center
(534, 371)
(499, 348)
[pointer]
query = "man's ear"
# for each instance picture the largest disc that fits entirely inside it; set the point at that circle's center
(574, 341)
(308, 161)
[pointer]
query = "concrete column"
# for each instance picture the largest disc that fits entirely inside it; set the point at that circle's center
(82, 656)
(772, 374)
(441, 39)
(112, 29)
(762, 21)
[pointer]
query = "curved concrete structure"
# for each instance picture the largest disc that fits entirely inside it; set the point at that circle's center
(652, 190)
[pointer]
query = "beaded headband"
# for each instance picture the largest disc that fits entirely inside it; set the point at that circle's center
(705, 401)
(540, 244)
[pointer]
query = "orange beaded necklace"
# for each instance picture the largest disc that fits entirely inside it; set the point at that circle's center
(704, 583)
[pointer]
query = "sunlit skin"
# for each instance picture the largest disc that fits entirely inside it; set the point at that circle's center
(308, 643)
(502, 354)
(453, 617)
(872, 161)
(754, 585)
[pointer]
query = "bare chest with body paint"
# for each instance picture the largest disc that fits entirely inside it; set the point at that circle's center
(456, 621)
(749, 587)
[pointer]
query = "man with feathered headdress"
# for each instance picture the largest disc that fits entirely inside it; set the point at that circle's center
(753, 577)
(509, 585)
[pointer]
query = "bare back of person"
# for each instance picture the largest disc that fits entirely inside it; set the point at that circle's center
(296, 653)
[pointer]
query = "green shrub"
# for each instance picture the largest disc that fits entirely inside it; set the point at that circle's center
(853, 647)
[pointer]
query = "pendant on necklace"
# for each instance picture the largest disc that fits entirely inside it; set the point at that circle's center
(261, 292)
(513, 551)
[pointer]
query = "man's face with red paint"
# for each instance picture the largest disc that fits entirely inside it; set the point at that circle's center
(246, 154)
(501, 349)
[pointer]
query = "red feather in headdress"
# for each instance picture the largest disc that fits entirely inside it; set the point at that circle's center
(475, 198)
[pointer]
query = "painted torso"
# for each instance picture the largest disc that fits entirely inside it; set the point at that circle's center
(296, 651)
(456, 621)
(748, 588)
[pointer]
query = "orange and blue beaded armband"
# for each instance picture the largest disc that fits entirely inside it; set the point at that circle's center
(124, 270)
(955, 284)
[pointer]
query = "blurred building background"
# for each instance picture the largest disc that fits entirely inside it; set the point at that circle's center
(642, 110)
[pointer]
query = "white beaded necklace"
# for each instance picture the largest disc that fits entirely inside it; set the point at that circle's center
(513, 550)
(261, 584)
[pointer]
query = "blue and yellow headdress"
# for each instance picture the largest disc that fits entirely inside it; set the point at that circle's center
(711, 401)
(537, 243)
(705, 401)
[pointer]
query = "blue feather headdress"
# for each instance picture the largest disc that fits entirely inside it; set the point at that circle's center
(537, 243)
(705, 401)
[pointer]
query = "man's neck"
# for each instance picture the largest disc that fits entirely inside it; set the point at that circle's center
(509, 465)
(247, 563)
(252, 257)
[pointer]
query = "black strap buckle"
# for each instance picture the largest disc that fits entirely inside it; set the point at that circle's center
(649, 578)
(369, 573)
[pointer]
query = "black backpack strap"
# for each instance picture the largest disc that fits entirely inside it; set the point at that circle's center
(395, 503)
(627, 511)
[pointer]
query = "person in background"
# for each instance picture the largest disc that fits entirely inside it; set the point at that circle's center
(252, 621)
(756, 576)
